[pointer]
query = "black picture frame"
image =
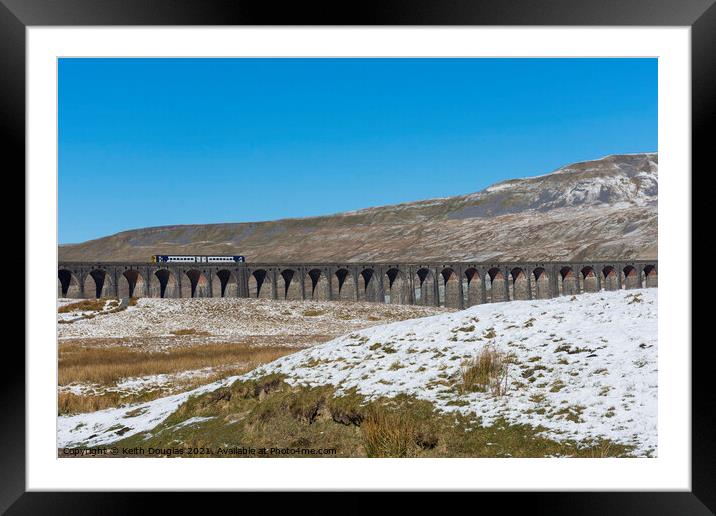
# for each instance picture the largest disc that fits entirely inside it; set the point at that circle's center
(700, 15)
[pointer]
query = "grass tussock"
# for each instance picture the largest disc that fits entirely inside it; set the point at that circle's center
(397, 431)
(487, 372)
(635, 298)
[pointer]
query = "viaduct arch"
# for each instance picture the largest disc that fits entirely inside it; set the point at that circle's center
(451, 284)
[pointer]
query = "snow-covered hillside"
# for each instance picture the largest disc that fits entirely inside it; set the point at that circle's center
(593, 359)
(584, 367)
(626, 180)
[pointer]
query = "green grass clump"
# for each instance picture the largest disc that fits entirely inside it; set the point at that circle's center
(557, 386)
(267, 412)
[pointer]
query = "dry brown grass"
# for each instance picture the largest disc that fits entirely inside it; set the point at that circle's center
(106, 366)
(402, 431)
(68, 403)
(189, 331)
(312, 313)
(386, 434)
(487, 372)
(601, 450)
(86, 305)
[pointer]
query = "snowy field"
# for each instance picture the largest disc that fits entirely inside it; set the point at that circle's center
(585, 367)
(231, 318)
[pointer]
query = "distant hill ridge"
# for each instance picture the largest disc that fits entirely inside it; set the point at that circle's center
(591, 209)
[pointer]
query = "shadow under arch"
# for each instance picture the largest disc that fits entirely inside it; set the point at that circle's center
(497, 288)
(424, 283)
(631, 277)
(368, 288)
(395, 286)
(519, 285)
(69, 284)
(166, 285)
(449, 289)
(346, 290)
(651, 278)
(542, 288)
(198, 283)
(260, 284)
(316, 285)
(471, 287)
(98, 283)
(569, 284)
(131, 284)
(589, 279)
(225, 284)
(289, 285)
(610, 278)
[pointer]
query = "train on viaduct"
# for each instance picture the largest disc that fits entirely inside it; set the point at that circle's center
(456, 285)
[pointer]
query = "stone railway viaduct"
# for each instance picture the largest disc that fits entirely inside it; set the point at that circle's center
(451, 284)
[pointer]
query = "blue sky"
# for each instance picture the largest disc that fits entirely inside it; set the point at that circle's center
(148, 142)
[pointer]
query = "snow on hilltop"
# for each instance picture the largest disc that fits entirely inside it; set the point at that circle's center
(585, 368)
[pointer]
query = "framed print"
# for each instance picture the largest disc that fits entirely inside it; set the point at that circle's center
(416, 247)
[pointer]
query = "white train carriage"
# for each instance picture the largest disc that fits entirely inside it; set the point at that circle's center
(174, 258)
